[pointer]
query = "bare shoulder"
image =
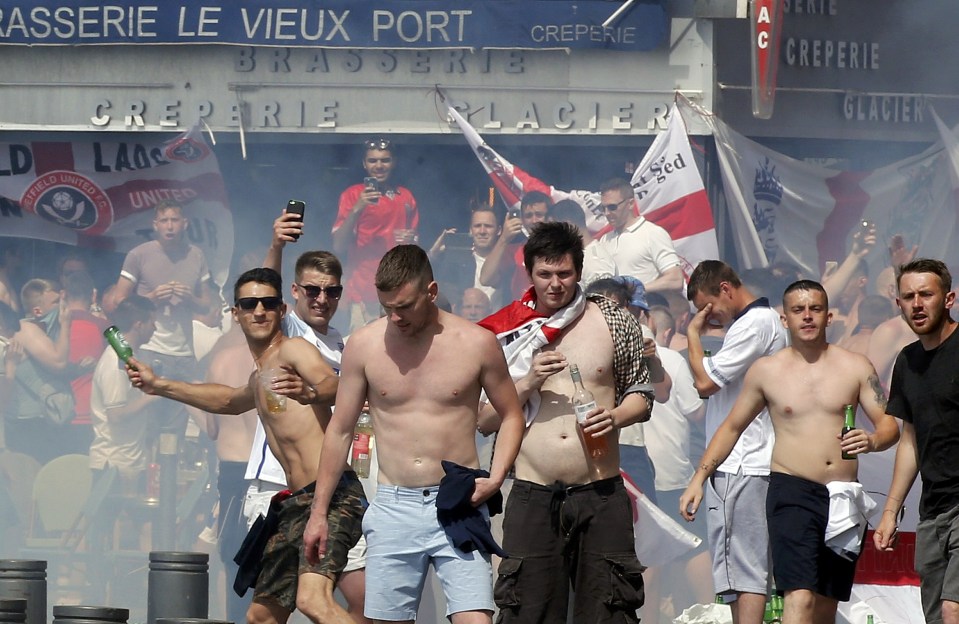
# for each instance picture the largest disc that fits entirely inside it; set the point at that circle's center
(462, 329)
(367, 335)
(846, 360)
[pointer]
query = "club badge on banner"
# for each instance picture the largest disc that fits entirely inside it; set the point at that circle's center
(102, 194)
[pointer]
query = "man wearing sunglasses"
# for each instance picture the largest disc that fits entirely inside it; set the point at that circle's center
(374, 216)
(635, 247)
(295, 429)
(316, 292)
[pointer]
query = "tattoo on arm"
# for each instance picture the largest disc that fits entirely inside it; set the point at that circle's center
(878, 391)
(710, 467)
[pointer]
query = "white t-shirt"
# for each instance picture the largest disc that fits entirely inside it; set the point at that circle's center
(755, 333)
(262, 464)
(120, 443)
(667, 433)
(643, 250)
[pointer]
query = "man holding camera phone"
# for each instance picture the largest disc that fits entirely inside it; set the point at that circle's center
(374, 216)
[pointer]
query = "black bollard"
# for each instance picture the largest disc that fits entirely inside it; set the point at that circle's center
(81, 614)
(26, 579)
(178, 586)
(13, 611)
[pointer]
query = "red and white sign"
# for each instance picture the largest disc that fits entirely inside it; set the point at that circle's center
(102, 194)
(766, 23)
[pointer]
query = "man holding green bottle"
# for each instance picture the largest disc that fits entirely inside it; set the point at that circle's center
(815, 510)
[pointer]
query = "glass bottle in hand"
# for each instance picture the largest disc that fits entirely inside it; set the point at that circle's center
(583, 403)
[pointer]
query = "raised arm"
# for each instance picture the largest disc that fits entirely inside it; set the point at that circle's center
(209, 397)
(705, 385)
(497, 263)
(286, 228)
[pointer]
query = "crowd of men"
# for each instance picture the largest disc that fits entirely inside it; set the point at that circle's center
(586, 355)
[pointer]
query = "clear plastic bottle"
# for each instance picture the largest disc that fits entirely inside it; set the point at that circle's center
(362, 445)
(583, 403)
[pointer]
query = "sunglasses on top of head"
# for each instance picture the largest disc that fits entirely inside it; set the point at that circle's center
(250, 303)
(379, 144)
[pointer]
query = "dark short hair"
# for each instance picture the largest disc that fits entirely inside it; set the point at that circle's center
(260, 275)
(618, 184)
(569, 211)
(873, 310)
(611, 289)
(167, 204)
(552, 240)
(78, 285)
(708, 275)
(927, 265)
(806, 285)
(322, 261)
(404, 264)
(533, 197)
(131, 310)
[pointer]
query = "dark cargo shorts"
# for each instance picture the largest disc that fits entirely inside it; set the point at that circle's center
(284, 558)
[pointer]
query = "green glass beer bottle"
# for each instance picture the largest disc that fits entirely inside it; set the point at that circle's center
(119, 343)
(849, 412)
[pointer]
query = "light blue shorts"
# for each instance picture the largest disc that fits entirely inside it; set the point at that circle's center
(403, 537)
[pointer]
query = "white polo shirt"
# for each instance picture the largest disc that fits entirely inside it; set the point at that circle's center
(643, 250)
(755, 333)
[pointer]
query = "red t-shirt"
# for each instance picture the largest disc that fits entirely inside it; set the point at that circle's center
(374, 236)
(86, 340)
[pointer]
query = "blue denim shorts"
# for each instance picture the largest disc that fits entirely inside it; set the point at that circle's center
(403, 538)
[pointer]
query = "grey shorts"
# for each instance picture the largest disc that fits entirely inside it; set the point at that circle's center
(937, 539)
(738, 538)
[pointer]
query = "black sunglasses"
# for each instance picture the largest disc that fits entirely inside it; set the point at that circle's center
(312, 292)
(379, 144)
(250, 303)
(613, 207)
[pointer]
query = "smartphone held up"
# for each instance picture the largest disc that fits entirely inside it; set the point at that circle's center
(297, 207)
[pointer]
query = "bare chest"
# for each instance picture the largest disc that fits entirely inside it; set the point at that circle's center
(442, 374)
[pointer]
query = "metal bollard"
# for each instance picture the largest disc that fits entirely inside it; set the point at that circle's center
(26, 579)
(82, 614)
(13, 610)
(178, 586)
(164, 528)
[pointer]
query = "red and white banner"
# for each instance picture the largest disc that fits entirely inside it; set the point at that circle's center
(101, 194)
(668, 187)
(787, 210)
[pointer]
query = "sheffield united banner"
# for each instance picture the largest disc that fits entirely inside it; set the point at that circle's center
(102, 194)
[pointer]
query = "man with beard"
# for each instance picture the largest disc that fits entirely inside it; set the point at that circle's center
(295, 431)
(814, 467)
(924, 394)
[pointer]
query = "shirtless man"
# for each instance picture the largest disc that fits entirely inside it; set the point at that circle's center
(295, 434)
(805, 387)
(421, 369)
(568, 517)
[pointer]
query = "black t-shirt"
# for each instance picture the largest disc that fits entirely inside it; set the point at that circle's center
(925, 392)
